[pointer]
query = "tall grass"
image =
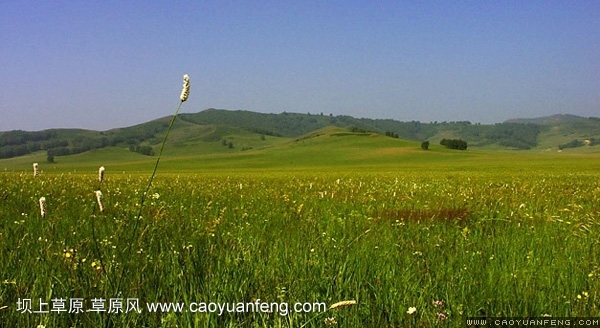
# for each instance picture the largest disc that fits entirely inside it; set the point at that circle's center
(137, 220)
(494, 244)
(114, 272)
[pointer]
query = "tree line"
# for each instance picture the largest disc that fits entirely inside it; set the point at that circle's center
(70, 142)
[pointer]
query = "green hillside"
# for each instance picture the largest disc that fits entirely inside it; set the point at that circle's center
(572, 135)
(519, 134)
(565, 132)
(326, 149)
(223, 133)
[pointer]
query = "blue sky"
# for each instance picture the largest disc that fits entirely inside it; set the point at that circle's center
(105, 64)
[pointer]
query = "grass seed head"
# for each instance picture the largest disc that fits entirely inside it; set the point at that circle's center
(101, 173)
(185, 92)
(99, 199)
(43, 206)
(342, 304)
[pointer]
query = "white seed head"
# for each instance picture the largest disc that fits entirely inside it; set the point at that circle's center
(185, 92)
(35, 169)
(43, 206)
(99, 199)
(101, 173)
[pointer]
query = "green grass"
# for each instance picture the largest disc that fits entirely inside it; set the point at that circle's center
(322, 149)
(324, 218)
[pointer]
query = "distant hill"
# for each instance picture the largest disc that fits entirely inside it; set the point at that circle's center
(565, 131)
(547, 120)
(511, 135)
(206, 129)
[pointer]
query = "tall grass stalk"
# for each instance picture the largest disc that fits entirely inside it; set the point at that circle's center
(98, 196)
(183, 97)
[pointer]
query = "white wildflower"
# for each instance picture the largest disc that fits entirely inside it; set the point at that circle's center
(35, 169)
(330, 321)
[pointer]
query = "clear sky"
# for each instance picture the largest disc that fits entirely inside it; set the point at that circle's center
(105, 64)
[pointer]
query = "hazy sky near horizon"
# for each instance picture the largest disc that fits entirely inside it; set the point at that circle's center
(106, 64)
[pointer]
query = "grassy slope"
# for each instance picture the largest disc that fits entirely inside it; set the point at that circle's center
(327, 149)
(201, 134)
(581, 129)
(556, 130)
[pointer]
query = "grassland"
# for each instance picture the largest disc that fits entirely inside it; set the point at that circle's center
(200, 133)
(328, 217)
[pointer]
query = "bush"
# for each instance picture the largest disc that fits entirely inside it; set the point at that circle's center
(144, 150)
(572, 144)
(454, 144)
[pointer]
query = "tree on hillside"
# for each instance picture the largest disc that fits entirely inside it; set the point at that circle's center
(515, 135)
(144, 150)
(454, 144)
(425, 145)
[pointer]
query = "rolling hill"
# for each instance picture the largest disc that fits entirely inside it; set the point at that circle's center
(567, 132)
(538, 134)
(224, 132)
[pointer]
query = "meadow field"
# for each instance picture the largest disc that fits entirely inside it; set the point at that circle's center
(422, 239)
